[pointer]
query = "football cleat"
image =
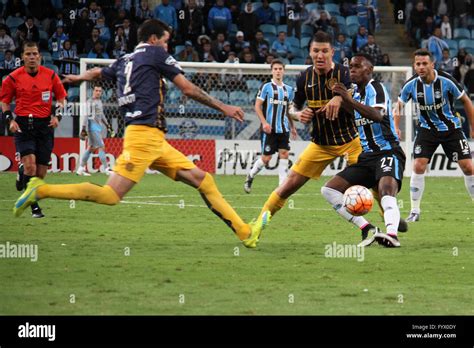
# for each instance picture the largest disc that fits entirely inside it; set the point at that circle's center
(36, 211)
(413, 217)
(387, 240)
(248, 184)
(28, 197)
(368, 239)
(19, 177)
(256, 230)
(82, 171)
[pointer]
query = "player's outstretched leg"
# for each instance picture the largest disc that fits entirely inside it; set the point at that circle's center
(402, 225)
(37, 189)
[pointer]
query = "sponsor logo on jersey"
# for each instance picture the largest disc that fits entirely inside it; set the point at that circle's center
(417, 149)
(432, 106)
(363, 122)
(277, 102)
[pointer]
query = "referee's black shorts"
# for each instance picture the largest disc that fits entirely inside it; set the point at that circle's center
(36, 138)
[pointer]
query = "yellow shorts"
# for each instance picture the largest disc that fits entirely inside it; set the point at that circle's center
(315, 158)
(146, 147)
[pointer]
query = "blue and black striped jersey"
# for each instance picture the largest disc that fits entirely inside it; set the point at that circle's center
(435, 100)
(375, 136)
(276, 100)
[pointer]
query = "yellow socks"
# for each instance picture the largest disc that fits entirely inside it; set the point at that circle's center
(81, 192)
(219, 206)
(274, 203)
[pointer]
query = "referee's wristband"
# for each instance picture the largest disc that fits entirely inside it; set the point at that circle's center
(9, 116)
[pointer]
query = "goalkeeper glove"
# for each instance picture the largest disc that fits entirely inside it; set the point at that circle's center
(83, 134)
(111, 132)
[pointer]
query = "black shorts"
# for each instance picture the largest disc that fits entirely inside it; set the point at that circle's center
(454, 143)
(372, 166)
(36, 138)
(273, 142)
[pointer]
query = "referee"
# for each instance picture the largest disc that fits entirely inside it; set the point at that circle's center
(32, 86)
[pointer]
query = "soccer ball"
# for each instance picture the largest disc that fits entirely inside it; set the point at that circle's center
(358, 200)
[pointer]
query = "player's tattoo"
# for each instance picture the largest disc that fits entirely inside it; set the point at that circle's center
(200, 96)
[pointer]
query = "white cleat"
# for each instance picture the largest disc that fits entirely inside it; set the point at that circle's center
(413, 217)
(82, 171)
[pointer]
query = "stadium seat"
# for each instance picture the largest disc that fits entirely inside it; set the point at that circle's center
(350, 20)
(52, 67)
(43, 35)
(340, 20)
(333, 9)
(304, 42)
(461, 33)
(466, 43)
(47, 58)
(453, 53)
(343, 30)
(233, 30)
(299, 53)
(294, 42)
(469, 50)
(276, 6)
(178, 49)
(270, 38)
(14, 22)
(221, 95)
(238, 98)
(282, 27)
(352, 29)
(73, 94)
(311, 6)
(472, 34)
(307, 31)
(453, 44)
(268, 29)
(299, 61)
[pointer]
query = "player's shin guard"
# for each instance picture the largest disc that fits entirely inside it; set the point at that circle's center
(257, 167)
(85, 158)
(417, 186)
(282, 170)
(273, 204)
(219, 206)
(80, 192)
(391, 214)
(469, 181)
(335, 198)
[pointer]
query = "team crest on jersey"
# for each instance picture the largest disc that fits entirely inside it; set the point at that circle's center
(330, 83)
(267, 148)
(437, 94)
(171, 61)
(417, 149)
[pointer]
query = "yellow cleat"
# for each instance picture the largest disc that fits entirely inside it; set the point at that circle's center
(256, 230)
(28, 197)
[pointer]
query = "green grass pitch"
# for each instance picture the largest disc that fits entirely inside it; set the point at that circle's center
(164, 253)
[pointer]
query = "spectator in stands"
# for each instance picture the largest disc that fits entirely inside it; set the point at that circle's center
(265, 14)
(118, 50)
(68, 59)
(189, 54)
(143, 12)
(234, 8)
(460, 9)
(342, 50)
(368, 14)
(130, 33)
(120, 41)
(166, 13)
(323, 23)
(90, 42)
(56, 41)
(360, 39)
(281, 47)
(6, 42)
(270, 58)
(9, 62)
(95, 12)
(461, 69)
(248, 58)
(245, 49)
(296, 15)
(219, 18)
(372, 49)
(122, 14)
(386, 60)
(469, 80)
(248, 21)
(81, 30)
(30, 29)
(218, 45)
(42, 10)
(59, 20)
(222, 55)
(15, 8)
(427, 30)
(206, 55)
(238, 42)
(20, 38)
(258, 42)
(417, 21)
(104, 31)
(436, 45)
(98, 51)
(447, 63)
(177, 4)
(261, 55)
(191, 23)
(446, 31)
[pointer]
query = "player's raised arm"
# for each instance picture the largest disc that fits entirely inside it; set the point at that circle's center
(190, 90)
(89, 75)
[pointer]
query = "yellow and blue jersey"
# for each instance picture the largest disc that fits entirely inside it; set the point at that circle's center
(435, 100)
(276, 100)
(375, 136)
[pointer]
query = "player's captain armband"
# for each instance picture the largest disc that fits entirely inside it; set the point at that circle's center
(317, 103)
